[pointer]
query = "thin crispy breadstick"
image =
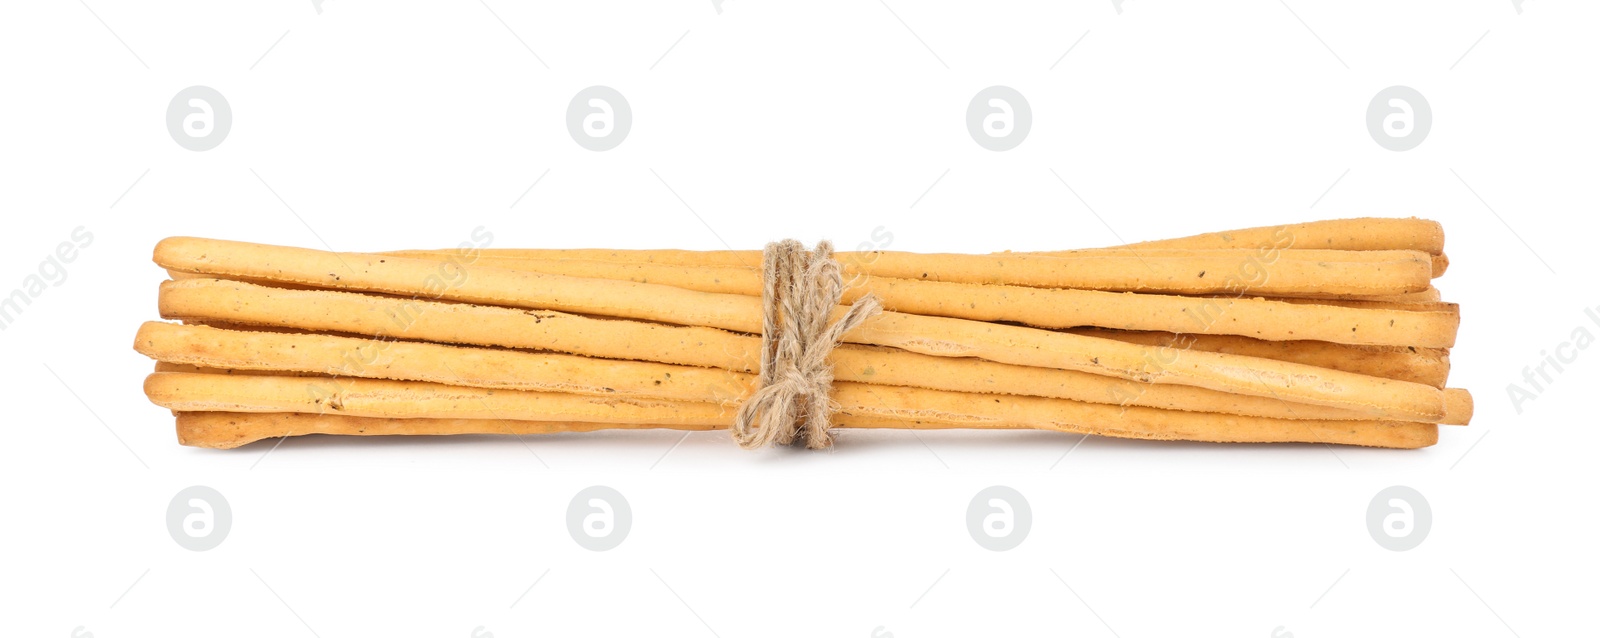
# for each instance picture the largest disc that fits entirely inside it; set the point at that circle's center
(1408, 301)
(1265, 271)
(213, 300)
(438, 363)
(227, 430)
(1363, 233)
(1379, 304)
(1428, 366)
(187, 392)
(364, 314)
(1458, 402)
(1055, 308)
(167, 366)
(399, 399)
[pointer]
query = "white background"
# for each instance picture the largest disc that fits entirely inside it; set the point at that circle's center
(399, 125)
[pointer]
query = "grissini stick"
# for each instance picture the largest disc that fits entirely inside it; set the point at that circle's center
(407, 400)
(1428, 366)
(278, 353)
(1267, 271)
(1459, 406)
(1236, 314)
(1285, 272)
(1406, 301)
(167, 366)
(1366, 233)
(227, 430)
(366, 314)
(1362, 233)
(1453, 309)
(439, 363)
(187, 392)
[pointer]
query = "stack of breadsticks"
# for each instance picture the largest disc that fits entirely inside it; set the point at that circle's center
(1323, 332)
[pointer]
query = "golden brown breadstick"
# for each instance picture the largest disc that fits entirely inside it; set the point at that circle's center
(1429, 366)
(860, 399)
(1261, 271)
(1364, 233)
(186, 392)
(745, 259)
(1407, 301)
(227, 430)
(1376, 304)
(400, 399)
(958, 410)
(1265, 271)
(1057, 308)
(164, 366)
(438, 363)
(363, 314)
(206, 349)
(213, 300)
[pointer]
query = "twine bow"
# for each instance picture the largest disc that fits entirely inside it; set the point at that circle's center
(794, 401)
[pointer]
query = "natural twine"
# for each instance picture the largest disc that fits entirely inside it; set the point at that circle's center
(794, 400)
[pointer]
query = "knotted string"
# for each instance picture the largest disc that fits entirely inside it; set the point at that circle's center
(794, 401)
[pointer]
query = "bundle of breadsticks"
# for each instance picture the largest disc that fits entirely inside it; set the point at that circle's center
(1322, 332)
